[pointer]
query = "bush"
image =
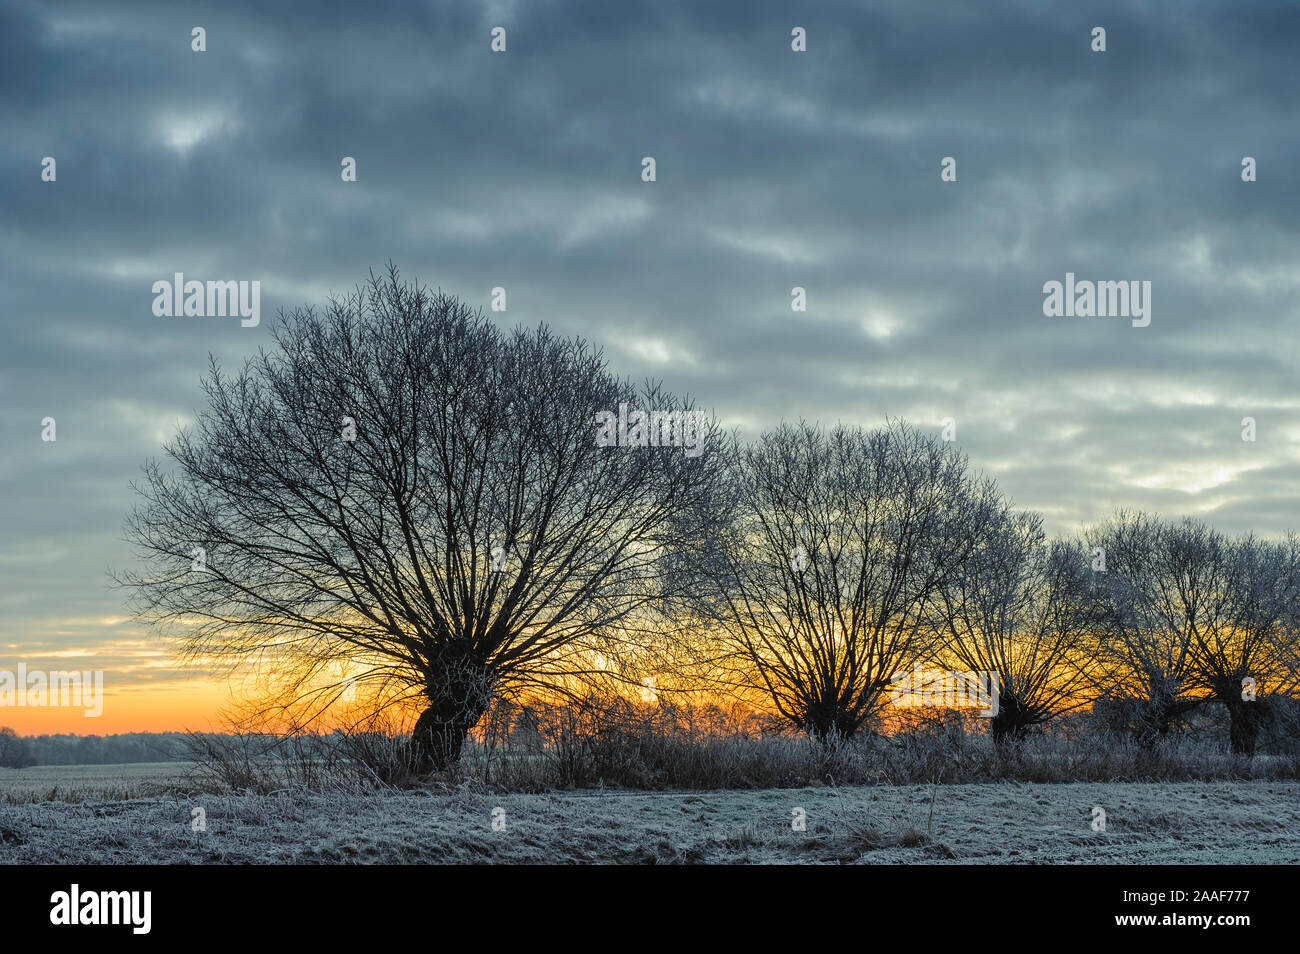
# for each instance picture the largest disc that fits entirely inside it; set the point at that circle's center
(375, 755)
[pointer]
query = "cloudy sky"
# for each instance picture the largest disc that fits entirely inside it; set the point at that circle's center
(774, 168)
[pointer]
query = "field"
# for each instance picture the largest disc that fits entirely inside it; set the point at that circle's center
(92, 819)
(62, 783)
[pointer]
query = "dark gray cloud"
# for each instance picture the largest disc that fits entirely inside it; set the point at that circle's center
(775, 169)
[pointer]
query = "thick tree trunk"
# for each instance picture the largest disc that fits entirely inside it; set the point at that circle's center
(1010, 722)
(459, 694)
(827, 722)
(1243, 725)
(1158, 716)
(1157, 722)
(438, 739)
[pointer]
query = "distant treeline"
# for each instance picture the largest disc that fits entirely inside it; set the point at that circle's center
(68, 749)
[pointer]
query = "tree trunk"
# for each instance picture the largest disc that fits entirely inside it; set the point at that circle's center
(1009, 723)
(1243, 725)
(1160, 712)
(1001, 730)
(438, 738)
(827, 722)
(459, 693)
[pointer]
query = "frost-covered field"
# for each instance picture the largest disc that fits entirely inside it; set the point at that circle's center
(998, 823)
(78, 782)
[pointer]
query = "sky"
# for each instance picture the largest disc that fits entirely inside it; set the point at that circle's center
(774, 168)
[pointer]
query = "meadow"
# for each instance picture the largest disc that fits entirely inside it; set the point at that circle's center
(1255, 822)
(917, 798)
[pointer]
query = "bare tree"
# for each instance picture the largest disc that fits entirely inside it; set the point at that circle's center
(1247, 655)
(401, 490)
(838, 542)
(1164, 584)
(1022, 609)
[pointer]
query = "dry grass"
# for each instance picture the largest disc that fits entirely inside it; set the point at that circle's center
(659, 748)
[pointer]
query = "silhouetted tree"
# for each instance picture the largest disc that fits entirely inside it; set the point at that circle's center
(1022, 607)
(1247, 655)
(841, 538)
(1192, 615)
(401, 489)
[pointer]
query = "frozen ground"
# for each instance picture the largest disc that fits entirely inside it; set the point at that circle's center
(79, 782)
(1000, 823)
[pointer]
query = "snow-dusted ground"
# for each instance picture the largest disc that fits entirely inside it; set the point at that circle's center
(1185, 823)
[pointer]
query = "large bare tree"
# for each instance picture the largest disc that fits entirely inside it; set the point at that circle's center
(401, 489)
(1161, 583)
(1193, 616)
(1022, 608)
(839, 540)
(1248, 655)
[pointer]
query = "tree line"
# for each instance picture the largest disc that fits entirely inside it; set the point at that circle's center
(67, 749)
(401, 499)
